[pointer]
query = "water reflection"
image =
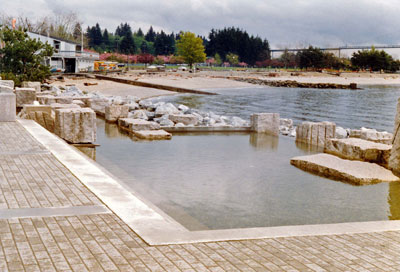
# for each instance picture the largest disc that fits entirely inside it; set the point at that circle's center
(264, 141)
(112, 130)
(88, 151)
(394, 200)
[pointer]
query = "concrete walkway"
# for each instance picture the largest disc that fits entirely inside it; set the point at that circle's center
(49, 221)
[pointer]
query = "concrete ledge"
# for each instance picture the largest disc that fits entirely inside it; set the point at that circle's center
(152, 85)
(207, 129)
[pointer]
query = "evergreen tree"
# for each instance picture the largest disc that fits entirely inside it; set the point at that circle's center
(77, 31)
(144, 47)
(139, 33)
(150, 35)
(23, 58)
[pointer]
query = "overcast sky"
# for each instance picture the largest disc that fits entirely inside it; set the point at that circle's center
(285, 23)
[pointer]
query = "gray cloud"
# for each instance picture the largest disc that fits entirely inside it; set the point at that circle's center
(283, 23)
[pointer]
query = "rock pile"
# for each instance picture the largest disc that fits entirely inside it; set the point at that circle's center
(294, 84)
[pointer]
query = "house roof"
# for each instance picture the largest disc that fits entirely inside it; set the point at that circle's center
(53, 37)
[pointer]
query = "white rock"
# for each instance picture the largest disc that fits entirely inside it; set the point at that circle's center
(140, 114)
(7, 107)
(145, 104)
(133, 106)
(167, 108)
(166, 123)
(183, 108)
(186, 119)
(238, 122)
(340, 133)
(283, 122)
(179, 125)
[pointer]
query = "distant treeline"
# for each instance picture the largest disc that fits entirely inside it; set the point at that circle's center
(221, 44)
(315, 59)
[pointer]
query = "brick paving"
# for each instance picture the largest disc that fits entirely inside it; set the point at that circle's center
(102, 242)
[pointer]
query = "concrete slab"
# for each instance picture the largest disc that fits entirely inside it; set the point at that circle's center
(356, 172)
(152, 134)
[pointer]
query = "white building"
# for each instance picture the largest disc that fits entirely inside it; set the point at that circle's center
(68, 56)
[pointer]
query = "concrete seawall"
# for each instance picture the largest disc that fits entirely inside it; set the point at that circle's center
(152, 85)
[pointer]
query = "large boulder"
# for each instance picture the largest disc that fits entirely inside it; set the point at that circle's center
(32, 84)
(265, 123)
(140, 114)
(76, 125)
(114, 112)
(186, 119)
(7, 107)
(315, 133)
(356, 172)
(25, 96)
(99, 104)
(167, 108)
(359, 149)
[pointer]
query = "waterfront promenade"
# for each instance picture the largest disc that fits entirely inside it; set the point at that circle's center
(50, 221)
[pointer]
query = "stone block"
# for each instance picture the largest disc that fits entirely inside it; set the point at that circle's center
(186, 119)
(153, 134)
(359, 149)
(32, 84)
(8, 83)
(75, 125)
(115, 112)
(6, 89)
(56, 106)
(376, 136)
(37, 108)
(7, 107)
(394, 160)
(64, 99)
(265, 123)
(315, 133)
(355, 172)
(138, 124)
(79, 103)
(25, 96)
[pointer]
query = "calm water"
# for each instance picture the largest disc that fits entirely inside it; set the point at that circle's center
(221, 181)
(373, 106)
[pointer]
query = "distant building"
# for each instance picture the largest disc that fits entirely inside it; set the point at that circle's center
(68, 56)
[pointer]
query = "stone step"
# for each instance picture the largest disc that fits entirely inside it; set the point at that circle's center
(359, 149)
(355, 172)
(152, 134)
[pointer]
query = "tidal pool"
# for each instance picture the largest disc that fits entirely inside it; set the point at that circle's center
(221, 181)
